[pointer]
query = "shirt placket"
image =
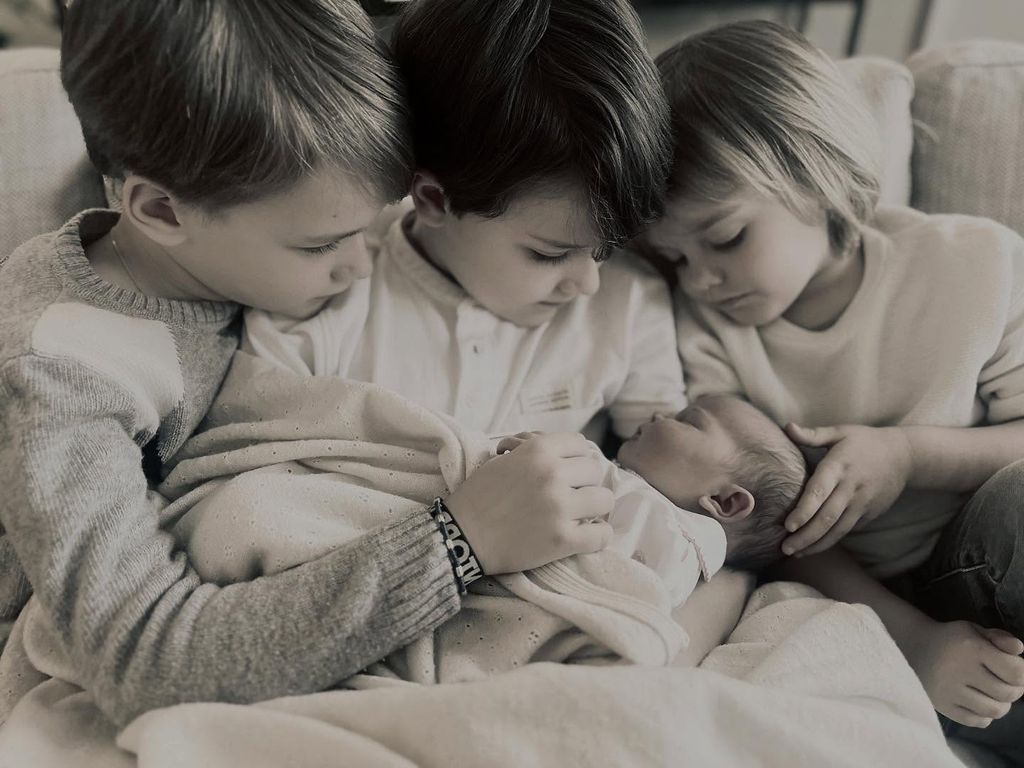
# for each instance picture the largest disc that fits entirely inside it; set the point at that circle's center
(479, 384)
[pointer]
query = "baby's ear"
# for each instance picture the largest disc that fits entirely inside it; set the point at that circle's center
(430, 199)
(731, 505)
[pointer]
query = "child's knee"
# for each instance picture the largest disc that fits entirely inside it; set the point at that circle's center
(998, 503)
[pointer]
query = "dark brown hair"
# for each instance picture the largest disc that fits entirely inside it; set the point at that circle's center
(774, 471)
(511, 95)
(228, 101)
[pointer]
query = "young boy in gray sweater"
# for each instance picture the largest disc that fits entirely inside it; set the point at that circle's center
(255, 142)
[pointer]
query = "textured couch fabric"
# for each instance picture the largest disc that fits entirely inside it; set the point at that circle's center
(961, 152)
(969, 124)
(887, 88)
(45, 175)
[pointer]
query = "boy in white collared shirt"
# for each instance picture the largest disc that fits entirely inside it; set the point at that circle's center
(488, 299)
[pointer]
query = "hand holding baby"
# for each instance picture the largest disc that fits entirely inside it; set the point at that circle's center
(538, 501)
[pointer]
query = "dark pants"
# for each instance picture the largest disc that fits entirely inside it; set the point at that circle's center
(977, 573)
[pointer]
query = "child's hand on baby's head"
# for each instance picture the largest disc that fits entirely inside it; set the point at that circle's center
(862, 474)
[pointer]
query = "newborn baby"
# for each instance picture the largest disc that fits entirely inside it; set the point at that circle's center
(725, 459)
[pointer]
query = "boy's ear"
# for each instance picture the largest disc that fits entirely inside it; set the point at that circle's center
(430, 199)
(153, 210)
(730, 506)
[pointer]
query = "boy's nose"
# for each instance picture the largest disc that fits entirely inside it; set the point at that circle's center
(353, 265)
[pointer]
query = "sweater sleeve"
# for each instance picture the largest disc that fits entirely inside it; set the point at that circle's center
(654, 381)
(706, 364)
(135, 621)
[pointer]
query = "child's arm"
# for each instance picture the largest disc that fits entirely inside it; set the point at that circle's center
(132, 616)
(654, 378)
(867, 468)
(972, 675)
(962, 459)
(710, 614)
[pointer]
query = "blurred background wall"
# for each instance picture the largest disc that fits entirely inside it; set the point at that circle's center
(891, 28)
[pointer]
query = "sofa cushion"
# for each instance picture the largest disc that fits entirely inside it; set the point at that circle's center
(45, 174)
(969, 118)
(887, 88)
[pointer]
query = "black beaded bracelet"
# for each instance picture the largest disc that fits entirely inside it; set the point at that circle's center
(464, 563)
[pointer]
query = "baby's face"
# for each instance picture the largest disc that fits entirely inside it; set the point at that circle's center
(691, 455)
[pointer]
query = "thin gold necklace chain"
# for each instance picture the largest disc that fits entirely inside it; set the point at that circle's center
(124, 263)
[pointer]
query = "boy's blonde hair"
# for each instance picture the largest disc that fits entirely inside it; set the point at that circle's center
(755, 104)
(229, 101)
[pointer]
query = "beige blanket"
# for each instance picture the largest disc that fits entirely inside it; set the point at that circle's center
(802, 682)
(290, 466)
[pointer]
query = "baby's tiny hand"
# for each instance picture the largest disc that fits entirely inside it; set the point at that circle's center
(863, 473)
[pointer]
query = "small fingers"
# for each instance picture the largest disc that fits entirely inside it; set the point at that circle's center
(983, 705)
(966, 717)
(561, 444)
(821, 485)
(580, 471)
(1008, 667)
(836, 533)
(588, 537)
(590, 503)
(1004, 641)
(827, 516)
(813, 437)
(508, 443)
(997, 689)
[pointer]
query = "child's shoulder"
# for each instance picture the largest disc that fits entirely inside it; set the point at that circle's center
(626, 271)
(959, 240)
(28, 286)
(57, 312)
(378, 230)
(631, 294)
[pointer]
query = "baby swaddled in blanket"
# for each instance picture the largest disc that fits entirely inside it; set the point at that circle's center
(291, 466)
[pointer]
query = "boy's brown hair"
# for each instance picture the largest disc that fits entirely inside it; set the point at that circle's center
(513, 96)
(227, 101)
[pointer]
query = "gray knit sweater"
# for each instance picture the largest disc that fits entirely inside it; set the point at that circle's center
(99, 386)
